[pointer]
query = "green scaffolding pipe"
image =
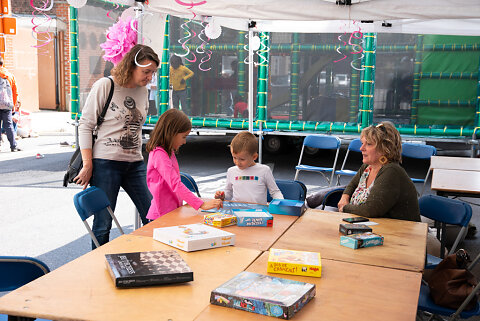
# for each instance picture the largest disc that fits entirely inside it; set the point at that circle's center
(324, 127)
(74, 64)
(354, 88)
(477, 99)
(262, 80)
(241, 53)
(368, 81)
(164, 78)
(417, 68)
(449, 75)
(449, 103)
(294, 76)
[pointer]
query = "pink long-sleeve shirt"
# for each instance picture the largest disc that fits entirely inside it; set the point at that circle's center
(163, 180)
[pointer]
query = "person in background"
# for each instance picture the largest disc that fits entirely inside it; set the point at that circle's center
(115, 160)
(248, 181)
(9, 103)
(240, 108)
(381, 187)
(163, 172)
(178, 81)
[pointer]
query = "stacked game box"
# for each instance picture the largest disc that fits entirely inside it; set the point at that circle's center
(294, 262)
(356, 241)
(219, 219)
(193, 237)
(286, 207)
(253, 217)
(347, 229)
(148, 268)
(263, 294)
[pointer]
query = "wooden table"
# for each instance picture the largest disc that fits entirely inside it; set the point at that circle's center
(258, 238)
(346, 291)
(452, 182)
(461, 163)
(404, 245)
(83, 289)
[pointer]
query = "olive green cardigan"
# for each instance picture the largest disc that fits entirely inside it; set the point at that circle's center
(392, 195)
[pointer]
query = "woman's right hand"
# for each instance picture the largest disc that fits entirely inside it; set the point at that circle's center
(220, 195)
(209, 204)
(83, 178)
(343, 201)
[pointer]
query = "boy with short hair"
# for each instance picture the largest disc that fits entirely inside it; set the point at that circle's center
(248, 181)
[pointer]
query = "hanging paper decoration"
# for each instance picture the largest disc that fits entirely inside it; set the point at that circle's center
(263, 51)
(47, 20)
(108, 13)
(121, 37)
(201, 49)
(338, 48)
(213, 30)
(357, 48)
(77, 3)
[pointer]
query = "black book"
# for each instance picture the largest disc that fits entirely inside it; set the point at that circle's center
(148, 268)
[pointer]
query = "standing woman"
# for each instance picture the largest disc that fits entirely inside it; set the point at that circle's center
(116, 158)
(381, 187)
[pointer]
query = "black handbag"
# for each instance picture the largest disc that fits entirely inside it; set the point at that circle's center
(76, 163)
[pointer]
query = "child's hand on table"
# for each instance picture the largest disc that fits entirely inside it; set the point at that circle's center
(220, 195)
(208, 205)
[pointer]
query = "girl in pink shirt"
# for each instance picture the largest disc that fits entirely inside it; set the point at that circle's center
(163, 173)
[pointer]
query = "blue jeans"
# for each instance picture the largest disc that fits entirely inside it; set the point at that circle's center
(110, 175)
(180, 96)
(6, 123)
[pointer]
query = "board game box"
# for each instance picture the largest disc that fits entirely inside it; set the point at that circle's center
(148, 268)
(263, 294)
(286, 207)
(294, 262)
(253, 217)
(219, 219)
(347, 229)
(193, 237)
(356, 241)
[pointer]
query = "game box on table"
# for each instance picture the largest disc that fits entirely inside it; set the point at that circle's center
(148, 268)
(253, 217)
(356, 241)
(263, 294)
(347, 229)
(294, 262)
(193, 237)
(219, 219)
(286, 207)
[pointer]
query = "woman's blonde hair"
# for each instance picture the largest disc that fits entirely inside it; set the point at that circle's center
(171, 123)
(123, 71)
(386, 139)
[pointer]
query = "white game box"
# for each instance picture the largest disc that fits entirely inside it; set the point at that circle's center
(193, 237)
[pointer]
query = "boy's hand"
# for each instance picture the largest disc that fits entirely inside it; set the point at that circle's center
(208, 205)
(220, 195)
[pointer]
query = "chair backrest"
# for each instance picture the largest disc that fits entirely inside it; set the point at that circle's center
(445, 210)
(291, 190)
(90, 201)
(355, 145)
(190, 183)
(17, 271)
(322, 141)
(333, 197)
(418, 151)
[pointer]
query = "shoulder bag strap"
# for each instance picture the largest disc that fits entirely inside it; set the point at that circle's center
(101, 118)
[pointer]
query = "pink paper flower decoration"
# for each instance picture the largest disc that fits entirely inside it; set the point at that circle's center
(121, 37)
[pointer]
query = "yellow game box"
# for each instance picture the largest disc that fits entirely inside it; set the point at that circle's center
(294, 262)
(219, 219)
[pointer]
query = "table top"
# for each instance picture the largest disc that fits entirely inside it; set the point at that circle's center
(346, 291)
(258, 238)
(461, 163)
(451, 180)
(318, 231)
(83, 289)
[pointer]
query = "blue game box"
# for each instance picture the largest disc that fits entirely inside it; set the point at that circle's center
(253, 217)
(286, 207)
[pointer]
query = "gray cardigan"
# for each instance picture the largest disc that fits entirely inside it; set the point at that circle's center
(393, 195)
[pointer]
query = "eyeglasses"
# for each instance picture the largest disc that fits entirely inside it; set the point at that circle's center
(381, 127)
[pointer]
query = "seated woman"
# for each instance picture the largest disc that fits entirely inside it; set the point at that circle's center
(381, 187)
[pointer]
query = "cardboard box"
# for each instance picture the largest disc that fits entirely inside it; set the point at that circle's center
(219, 219)
(286, 207)
(147, 268)
(347, 229)
(253, 217)
(294, 262)
(263, 294)
(193, 237)
(357, 241)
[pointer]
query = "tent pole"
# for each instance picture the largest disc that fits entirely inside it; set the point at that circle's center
(139, 17)
(250, 80)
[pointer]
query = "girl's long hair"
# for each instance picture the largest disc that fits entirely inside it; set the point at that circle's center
(171, 123)
(123, 71)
